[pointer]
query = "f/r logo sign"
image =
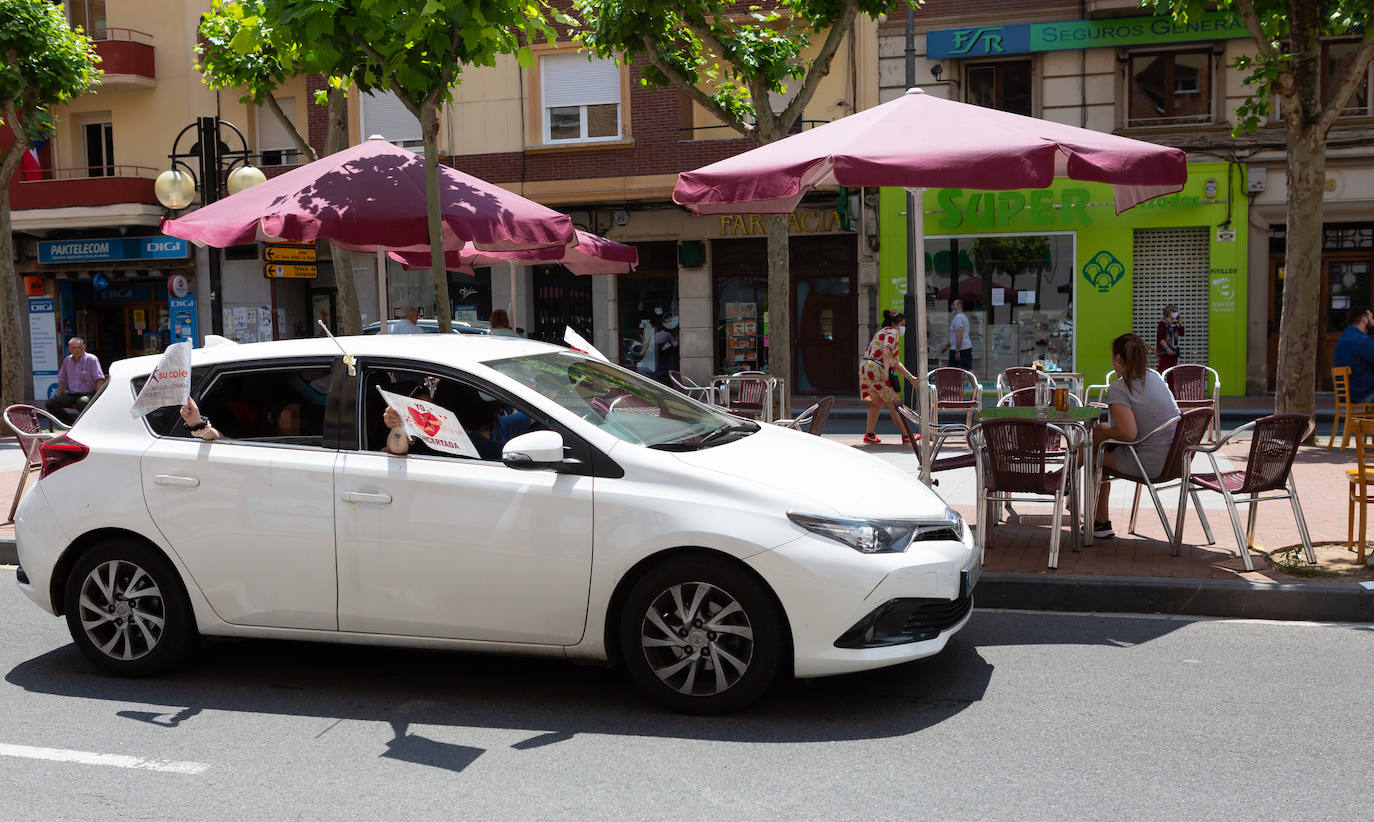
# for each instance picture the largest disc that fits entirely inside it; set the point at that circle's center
(989, 36)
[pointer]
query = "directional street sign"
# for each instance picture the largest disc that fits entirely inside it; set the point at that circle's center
(291, 272)
(281, 253)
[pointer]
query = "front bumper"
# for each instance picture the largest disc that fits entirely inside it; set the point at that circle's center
(828, 590)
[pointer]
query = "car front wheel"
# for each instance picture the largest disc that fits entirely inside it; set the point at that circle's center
(701, 636)
(126, 610)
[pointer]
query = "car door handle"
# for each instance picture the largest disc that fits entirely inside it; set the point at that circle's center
(176, 482)
(359, 496)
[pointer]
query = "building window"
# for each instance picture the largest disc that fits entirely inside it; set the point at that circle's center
(99, 141)
(1170, 88)
(274, 139)
(89, 15)
(1005, 86)
(581, 98)
(1336, 59)
(386, 115)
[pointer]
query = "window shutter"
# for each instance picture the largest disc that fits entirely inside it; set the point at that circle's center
(271, 133)
(573, 80)
(386, 115)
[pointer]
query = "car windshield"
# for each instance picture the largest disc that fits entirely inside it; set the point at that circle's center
(622, 403)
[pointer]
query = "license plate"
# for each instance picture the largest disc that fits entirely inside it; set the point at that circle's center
(969, 577)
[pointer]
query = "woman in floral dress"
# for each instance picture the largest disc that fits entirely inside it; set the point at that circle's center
(879, 360)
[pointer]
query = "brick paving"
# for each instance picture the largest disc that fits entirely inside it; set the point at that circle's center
(1021, 543)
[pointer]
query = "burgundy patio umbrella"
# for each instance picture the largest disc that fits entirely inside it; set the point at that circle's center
(918, 141)
(591, 255)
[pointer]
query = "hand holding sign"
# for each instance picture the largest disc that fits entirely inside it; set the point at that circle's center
(432, 424)
(170, 382)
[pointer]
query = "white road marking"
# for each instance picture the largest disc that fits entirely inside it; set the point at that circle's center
(112, 760)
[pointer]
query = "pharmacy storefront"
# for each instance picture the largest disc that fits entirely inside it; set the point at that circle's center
(1053, 275)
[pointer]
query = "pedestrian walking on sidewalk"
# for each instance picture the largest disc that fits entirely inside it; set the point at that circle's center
(875, 370)
(1166, 338)
(960, 345)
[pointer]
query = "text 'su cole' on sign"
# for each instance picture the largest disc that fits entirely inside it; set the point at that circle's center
(291, 271)
(287, 253)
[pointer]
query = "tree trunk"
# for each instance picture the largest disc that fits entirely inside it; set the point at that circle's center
(1295, 380)
(429, 125)
(779, 304)
(350, 318)
(14, 370)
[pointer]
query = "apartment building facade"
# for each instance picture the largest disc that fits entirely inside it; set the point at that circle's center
(1057, 274)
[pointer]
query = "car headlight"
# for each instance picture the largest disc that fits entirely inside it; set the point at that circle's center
(883, 536)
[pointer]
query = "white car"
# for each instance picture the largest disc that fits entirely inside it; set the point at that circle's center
(704, 552)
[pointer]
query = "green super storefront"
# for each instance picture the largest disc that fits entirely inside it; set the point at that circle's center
(1055, 274)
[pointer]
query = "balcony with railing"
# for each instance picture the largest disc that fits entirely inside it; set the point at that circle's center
(126, 57)
(95, 186)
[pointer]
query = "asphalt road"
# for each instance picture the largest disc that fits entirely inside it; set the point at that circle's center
(1025, 716)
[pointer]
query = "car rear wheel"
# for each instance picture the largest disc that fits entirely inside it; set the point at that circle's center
(701, 636)
(127, 611)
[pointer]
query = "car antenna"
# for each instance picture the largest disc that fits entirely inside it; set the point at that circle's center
(350, 362)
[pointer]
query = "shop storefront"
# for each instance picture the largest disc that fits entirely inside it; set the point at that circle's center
(1054, 275)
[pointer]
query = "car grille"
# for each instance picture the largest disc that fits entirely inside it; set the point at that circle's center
(899, 621)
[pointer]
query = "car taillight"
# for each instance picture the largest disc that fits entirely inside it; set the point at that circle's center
(59, 452)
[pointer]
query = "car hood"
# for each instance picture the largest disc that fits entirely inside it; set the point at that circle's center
(811, 471)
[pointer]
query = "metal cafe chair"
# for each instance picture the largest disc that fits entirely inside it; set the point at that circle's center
(1189, 429)
(1188, 382)
(950, 388)
(26, 422)
(938, 435)
(813, 419)
(1013, 460)
(1026, 396)
(704, 393)
(1268, 475)
(1016, 378)
(1100, 389)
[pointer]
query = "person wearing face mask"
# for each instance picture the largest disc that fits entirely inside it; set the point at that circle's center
(1355, 350)
(880, 359)
(1166, 338)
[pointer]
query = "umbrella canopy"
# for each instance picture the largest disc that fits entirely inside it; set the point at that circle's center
(920, 141)
(373, 195)
(591, 255)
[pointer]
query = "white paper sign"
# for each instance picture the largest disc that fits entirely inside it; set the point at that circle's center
(577, 343)
(999, 296)
(170, 382)
(1026, 296)
(434, 425)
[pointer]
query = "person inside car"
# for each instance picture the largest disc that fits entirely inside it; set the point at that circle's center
(198, 426)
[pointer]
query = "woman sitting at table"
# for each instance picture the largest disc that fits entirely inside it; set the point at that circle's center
(1139, 402)
(878, 363)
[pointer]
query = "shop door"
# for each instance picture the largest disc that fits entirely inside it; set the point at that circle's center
(1170, 267)
(561, 299)
(1345, 282)
(826, 321)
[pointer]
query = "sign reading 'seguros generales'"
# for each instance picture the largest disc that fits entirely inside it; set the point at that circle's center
(1024, 38)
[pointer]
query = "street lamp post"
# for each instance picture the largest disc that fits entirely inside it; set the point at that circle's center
(175, 188)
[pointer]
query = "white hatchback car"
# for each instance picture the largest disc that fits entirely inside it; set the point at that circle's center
(629, 524)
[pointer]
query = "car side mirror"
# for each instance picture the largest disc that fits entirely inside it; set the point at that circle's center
(537, 449)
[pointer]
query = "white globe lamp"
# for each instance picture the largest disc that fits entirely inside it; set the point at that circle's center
(245, 177)
(174, 189)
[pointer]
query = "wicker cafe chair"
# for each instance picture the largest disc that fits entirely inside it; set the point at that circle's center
(749, 394)
(1189, 429)
(26, 422)
(1189, 386)
(1013, 459)
(1268, 475)
(1014, 379)
(813, 419)
(954, 389)
(1026, 397)
(938, 435)
(1345, 409)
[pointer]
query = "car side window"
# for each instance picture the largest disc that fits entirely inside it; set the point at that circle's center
(271, 404)
(488, 421)
(166, 421)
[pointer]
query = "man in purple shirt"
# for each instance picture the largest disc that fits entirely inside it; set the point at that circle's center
(78, 378)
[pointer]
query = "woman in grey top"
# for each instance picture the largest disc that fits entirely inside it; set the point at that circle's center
(1139, 403)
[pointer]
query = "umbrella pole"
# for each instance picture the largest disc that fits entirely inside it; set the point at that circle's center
(514, 304)
(384, 327)
(916, 283)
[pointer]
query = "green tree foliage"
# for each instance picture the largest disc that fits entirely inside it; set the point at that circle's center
(43, 63)
(729, 61)
(1287, 77)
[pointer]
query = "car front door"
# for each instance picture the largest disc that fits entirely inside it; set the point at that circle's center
(454, 547)
(252, 515)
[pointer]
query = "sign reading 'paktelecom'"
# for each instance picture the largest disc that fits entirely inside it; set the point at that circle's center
(106, 249)
(1023, 38)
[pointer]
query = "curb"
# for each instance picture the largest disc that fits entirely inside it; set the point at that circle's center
(1315, 601)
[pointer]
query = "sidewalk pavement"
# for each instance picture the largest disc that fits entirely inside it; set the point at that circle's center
(1131, 573)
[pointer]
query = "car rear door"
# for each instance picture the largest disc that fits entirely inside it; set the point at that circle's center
(252, 515)
(454, 547)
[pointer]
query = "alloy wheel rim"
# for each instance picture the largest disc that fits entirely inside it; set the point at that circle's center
(697, 639)
(122, 610)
